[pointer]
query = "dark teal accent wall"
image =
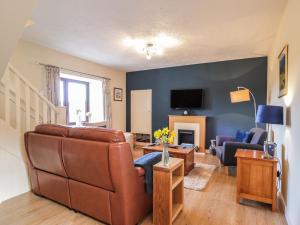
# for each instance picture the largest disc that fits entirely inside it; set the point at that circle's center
(217, 79)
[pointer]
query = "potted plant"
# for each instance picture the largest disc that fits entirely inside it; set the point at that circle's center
(165, 136)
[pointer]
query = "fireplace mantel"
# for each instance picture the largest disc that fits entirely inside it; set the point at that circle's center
(199, 120)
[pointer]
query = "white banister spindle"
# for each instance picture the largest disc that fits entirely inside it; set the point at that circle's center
(45, 112)
(7, 103)
(18, 103)
(52, 116)
(27, 107)
(37, 109)
(32, 97)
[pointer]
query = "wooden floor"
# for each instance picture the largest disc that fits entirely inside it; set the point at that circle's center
(216, 205)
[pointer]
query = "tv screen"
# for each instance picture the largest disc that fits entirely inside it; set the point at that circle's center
(190, 98)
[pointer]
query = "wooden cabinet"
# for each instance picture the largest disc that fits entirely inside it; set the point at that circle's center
(256, 177)
(167, 191)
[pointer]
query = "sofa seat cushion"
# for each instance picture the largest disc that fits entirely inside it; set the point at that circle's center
(90, 200)
(54, 187)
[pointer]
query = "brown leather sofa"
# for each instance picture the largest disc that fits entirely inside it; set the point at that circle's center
(89, 170)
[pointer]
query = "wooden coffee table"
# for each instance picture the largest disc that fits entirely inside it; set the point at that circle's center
(187, 154)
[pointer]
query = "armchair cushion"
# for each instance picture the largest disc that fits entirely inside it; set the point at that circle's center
(240, 135)
(260, 135)
(248, 137)
(220, 139)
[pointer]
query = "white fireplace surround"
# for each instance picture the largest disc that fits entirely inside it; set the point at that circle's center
(187, 126)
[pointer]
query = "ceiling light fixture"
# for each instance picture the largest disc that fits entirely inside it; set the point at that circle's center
(151, 46)
(150, 49)
(29, 23)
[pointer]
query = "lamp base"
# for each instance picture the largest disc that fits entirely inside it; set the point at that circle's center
(269, 150)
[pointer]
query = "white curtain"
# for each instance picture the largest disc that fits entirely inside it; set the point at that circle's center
(52, 84)
(107, 102)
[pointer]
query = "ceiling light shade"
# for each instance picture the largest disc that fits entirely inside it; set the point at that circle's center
(166, 41)
(151, 46)
(29, 23)
(128, 42)
(240, 96)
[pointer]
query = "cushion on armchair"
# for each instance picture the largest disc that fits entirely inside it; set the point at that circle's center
(260, 135)
(248, 137)
(240, 135)
(220, 139)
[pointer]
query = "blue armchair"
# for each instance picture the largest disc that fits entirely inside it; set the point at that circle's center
(226, 146)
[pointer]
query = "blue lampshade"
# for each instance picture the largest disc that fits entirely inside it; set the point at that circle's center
(270, 114)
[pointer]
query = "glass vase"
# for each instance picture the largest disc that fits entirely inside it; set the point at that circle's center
(78, 121)
(165, 155)
(269, 149)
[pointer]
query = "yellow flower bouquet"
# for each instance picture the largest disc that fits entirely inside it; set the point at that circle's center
(165, 135)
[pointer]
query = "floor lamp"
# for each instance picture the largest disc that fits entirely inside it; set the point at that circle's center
(243, 95)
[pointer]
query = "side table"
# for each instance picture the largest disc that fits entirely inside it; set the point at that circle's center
(167, 191)
(256, 177)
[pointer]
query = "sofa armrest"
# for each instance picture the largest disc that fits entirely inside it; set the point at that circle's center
(230, 149)
(220, 139)
(140, 171)
(129, 201)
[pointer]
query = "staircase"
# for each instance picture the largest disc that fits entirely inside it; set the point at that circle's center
(22, 107)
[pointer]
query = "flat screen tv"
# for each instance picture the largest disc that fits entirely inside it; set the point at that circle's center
(189, 98)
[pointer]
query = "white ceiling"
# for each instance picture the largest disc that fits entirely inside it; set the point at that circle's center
(210, 30)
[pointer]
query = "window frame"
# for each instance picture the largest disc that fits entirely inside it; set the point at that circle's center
(66, 97)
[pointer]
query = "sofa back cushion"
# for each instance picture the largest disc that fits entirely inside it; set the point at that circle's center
(97, 134)
(260, 135)
(87, 161)
(52, 129)
(44, 152)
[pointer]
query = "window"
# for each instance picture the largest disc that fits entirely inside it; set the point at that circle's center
(81, 95)
(74, 94)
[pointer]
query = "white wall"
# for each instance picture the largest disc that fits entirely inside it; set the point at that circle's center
(13, 168)
(13, 16)
(287, 136)
(27, 54)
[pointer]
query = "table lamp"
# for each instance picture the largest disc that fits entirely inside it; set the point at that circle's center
(269, 114)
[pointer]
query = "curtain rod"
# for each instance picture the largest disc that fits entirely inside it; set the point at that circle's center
(43, 64)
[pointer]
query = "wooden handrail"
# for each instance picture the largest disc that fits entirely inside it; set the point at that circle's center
(32, 87)
(23, 101)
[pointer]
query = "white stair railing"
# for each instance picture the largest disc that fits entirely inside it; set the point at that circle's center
(24, 106)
